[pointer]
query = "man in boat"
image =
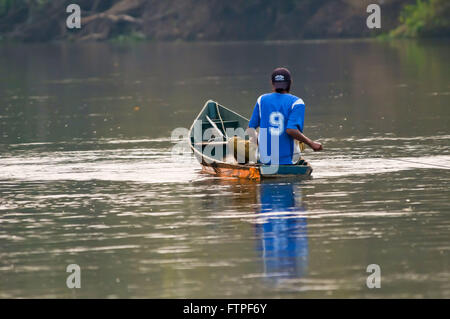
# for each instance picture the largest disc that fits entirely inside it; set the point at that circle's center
(280, 117)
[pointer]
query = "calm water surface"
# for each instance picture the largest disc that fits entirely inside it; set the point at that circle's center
(88, 175)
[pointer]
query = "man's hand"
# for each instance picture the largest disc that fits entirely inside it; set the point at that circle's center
(302, 138)
(316, 146)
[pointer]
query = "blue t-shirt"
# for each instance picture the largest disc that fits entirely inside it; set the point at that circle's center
(273, 114)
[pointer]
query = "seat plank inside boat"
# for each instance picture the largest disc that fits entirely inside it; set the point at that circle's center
(227, 124)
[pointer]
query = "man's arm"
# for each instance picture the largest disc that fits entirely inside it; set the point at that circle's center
(296, 134)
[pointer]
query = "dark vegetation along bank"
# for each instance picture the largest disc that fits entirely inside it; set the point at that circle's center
(216, 20)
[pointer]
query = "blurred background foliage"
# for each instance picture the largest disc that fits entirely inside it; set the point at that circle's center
(217, 20)
(424, 18)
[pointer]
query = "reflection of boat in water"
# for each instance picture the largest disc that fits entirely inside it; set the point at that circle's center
(283, 232)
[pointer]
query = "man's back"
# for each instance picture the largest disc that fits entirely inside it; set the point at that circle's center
(273, 114)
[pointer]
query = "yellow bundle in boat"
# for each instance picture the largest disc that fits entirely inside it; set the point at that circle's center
(301, 146)
(243, 151)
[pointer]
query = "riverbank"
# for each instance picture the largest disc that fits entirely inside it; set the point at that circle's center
(201, 20)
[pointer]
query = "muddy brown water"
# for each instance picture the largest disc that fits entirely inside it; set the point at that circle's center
(88, 175)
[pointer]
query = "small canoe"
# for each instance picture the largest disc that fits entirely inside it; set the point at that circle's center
(212, 152)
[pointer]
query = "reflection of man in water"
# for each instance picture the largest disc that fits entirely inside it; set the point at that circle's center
(284, 241)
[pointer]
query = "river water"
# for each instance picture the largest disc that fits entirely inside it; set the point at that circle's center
(90, 173)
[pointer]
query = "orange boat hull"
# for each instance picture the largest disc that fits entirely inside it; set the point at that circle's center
(223, 171)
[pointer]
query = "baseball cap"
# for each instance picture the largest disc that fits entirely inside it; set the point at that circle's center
(281, 78)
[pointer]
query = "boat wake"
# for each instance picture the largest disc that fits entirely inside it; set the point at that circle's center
(144, 161)
(153, 161)
(344, 166)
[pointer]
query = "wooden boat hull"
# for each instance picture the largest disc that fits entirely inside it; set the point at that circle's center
(219, 166)
(256, 172)
(252, 173)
